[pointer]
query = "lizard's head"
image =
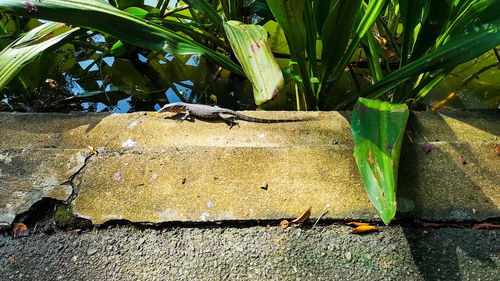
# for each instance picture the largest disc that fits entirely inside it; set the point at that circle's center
(173, 107)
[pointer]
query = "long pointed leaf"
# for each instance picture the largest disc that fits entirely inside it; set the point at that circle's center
(99, 15)
(336, 34)
(378, 129)
(289, 15)
(480, 36)
(370, 15)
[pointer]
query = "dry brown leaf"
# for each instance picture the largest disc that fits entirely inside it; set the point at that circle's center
(304, 216)
(94, 150)
(357, 223)
(486, 225)
(20, 230)
(284, 224)
(427, 147)
(363, 229)
(245, 213)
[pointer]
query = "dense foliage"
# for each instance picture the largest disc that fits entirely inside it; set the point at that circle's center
(407, 47)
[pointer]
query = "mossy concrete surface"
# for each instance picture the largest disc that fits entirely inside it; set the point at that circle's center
(152, 168)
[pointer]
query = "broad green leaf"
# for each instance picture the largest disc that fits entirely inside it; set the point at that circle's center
(101, 16)
(289, 15)
(378, 129)
(481, 35)
(28, 47)
(249, 43)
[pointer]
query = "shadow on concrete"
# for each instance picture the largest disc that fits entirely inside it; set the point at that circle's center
(440, 257)
(456, 186)
(52, 122)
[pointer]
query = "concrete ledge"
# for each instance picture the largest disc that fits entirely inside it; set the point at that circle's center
(155, 169)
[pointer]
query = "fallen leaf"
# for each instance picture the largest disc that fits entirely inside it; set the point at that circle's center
(94, 150)
(363, 229)
(284, 224)
(245, 213)
(485, 225)
(427, 147)
(304, 216)
(497, 148)
(431, 224)
(357, 223)
(20, 230)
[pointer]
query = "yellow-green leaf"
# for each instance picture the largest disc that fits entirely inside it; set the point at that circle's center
(249, 43)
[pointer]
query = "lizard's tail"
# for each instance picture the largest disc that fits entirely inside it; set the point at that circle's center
(259, 120)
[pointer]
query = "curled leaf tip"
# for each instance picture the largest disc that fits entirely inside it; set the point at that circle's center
(304, 216)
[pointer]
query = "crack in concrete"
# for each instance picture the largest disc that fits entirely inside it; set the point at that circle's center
(74, 190)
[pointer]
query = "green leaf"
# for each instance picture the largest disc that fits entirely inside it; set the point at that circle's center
(371, 50)
(289, 15)
(249, 43)
(207, 11)
(336, 34)
(101, 16)
(481, 35)
(410, 15)
(378, 129)
(27, 47)
(369, 16)
(321, 11)
(436, 17)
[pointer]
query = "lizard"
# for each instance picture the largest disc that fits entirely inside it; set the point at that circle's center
(208, 112)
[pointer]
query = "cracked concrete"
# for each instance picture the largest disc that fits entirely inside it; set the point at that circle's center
(155, 170)
(28, 175)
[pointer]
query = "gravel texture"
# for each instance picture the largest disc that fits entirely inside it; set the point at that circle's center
(253, 253)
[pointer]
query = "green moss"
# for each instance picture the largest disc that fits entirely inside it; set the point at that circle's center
(64, 216)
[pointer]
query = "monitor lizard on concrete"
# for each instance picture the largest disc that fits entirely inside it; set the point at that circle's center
(216, 113)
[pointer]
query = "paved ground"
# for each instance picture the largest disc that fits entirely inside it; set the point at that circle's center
(325, 252)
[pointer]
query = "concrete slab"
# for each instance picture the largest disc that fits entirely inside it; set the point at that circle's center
(28, 175)
(155, 169)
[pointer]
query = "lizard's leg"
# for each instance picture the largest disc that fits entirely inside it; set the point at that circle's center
(229, 119)
(186, 116)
